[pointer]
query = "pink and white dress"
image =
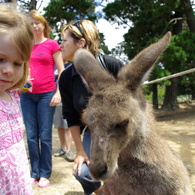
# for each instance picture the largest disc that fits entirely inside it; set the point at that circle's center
(14, 167)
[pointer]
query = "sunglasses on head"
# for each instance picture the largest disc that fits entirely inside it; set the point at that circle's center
(77, 24)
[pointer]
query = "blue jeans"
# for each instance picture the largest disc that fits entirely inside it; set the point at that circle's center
(89, 185)
(38, 120)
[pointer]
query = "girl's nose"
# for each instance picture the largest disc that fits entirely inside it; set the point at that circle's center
(7, 69)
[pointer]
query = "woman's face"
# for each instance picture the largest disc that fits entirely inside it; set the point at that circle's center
(68, 46)
(37, 26)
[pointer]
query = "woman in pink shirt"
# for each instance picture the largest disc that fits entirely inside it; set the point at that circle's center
(38, 104)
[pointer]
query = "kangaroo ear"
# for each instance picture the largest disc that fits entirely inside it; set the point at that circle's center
(95, 78)
(139, 68)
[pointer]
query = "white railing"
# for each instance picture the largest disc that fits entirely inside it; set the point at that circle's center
(169, 77)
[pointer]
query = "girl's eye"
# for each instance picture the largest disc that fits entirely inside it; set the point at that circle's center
(1, 60)
(18, 63)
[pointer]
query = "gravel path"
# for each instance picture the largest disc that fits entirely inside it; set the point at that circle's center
(178, 128)
(62, 180)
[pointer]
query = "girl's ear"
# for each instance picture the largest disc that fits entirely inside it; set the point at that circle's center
(82, 43)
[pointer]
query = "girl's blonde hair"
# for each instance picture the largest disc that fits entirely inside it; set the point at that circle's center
(37, 16)
(85, 29)
(14, 23)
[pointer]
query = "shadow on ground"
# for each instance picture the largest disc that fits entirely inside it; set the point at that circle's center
(73, 193)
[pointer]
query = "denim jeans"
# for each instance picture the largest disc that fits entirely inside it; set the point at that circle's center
(38, 120)
(89, 185)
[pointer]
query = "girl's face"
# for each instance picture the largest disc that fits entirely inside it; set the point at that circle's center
(11, 63)
(37, 26)
(68, 46)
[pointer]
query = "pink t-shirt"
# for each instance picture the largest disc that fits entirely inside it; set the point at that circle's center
(42, 66)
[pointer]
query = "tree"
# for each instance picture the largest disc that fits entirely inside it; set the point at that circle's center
(68, 10)
(189, 14)
(28, 5)
(190, 17)
(149, 20)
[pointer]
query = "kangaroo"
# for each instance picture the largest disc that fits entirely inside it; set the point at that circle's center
(127, 154)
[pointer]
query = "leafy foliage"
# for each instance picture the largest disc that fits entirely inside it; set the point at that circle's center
(67, 10)
(59, 12)
(148, 20)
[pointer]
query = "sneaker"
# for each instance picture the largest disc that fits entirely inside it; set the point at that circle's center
(59, 152)
(70, 156)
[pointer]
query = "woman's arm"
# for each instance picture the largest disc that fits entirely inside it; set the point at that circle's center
(58, 62)
(73, 118)
(81, 156)
(57, 56)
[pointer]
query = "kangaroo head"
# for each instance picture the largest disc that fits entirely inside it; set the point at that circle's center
(116, 112)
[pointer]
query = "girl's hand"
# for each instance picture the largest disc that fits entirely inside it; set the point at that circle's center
(80, 158)
(56, 99)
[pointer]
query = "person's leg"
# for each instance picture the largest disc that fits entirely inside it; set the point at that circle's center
(59, 125)
(64, 134)
(61, 135)
(29, 111)
(88, 184)
(68, 139)
(62, 149)
(45, 114)
(70, 156)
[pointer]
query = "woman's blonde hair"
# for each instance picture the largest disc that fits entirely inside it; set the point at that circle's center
(37, 16)
(14, 23)
(85, 29)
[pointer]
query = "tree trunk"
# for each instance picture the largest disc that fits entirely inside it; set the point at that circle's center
(188, 11)
(170, 100)
(155, 96)
(33, 4)
(190, 17)
(192, 91)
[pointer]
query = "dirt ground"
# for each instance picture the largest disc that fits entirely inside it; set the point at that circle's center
(177, 127)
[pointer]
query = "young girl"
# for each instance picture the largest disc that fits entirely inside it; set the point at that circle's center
(15, 48)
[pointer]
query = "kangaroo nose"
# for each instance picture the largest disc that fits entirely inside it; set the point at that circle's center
(98, 170)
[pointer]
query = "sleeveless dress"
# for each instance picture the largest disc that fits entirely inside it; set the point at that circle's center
(14, 166)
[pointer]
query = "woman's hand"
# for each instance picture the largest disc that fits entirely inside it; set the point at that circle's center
(80, 158)
(56, 99)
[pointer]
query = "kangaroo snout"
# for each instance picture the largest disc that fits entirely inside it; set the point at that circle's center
(99, 171)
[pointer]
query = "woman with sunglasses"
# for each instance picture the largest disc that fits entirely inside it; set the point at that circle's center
(75, 35)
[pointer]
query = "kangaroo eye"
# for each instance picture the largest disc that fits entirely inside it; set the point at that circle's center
(118, 129)
(122, 125)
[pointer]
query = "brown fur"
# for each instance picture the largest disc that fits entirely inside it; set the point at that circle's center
(126, 152)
